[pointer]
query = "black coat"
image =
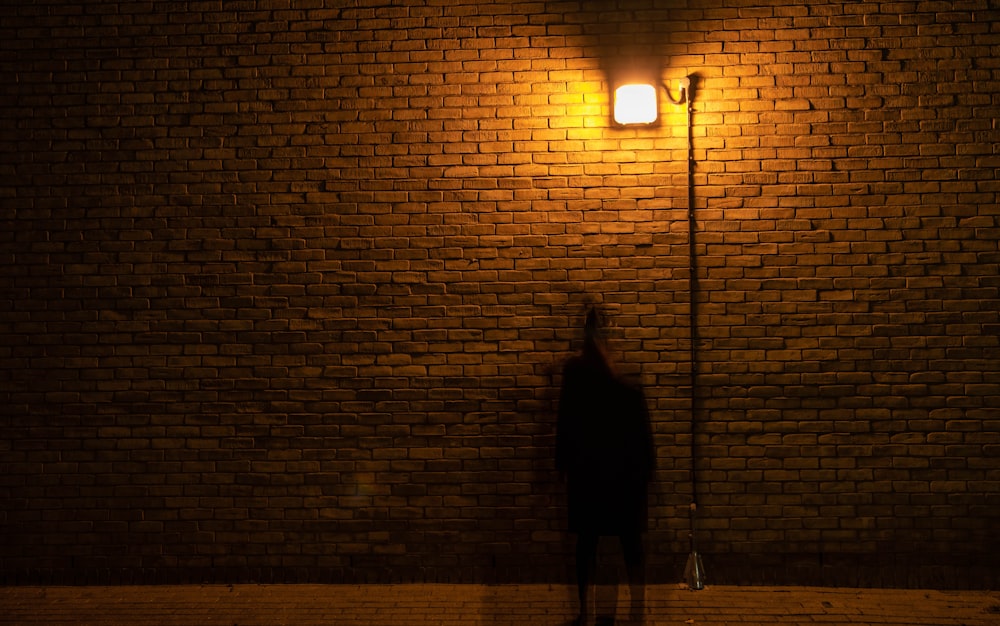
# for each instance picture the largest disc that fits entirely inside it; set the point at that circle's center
(604, 446)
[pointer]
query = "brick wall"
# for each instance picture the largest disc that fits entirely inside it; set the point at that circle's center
(286, 286)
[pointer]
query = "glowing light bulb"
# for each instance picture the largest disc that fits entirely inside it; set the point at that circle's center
(635, 104)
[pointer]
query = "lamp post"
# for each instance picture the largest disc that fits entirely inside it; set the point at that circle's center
(636, 103)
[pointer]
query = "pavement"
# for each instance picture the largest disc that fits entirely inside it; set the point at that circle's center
(521, 605)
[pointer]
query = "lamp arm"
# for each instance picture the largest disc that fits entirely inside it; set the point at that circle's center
(683, 96)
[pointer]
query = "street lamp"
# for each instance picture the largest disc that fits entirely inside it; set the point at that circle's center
(637, 104)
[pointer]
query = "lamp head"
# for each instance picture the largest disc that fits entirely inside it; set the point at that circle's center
(635, 103)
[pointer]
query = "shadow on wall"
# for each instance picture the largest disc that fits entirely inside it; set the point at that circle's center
(631, 41)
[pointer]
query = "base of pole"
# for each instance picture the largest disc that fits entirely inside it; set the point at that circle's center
(694, 572)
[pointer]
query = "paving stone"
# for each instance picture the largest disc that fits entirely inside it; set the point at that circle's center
(521, 605)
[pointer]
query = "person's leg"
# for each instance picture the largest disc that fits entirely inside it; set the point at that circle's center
(635, 558)
(586, 557)
(635, 566)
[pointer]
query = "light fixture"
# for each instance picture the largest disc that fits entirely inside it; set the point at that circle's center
(636, 103)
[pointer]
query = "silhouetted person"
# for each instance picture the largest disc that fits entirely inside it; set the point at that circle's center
(604, 448)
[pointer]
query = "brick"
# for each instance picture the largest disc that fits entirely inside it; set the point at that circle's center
(286, 279)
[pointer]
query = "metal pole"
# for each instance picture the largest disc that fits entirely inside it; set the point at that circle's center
(692, 292)
(694, 571)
